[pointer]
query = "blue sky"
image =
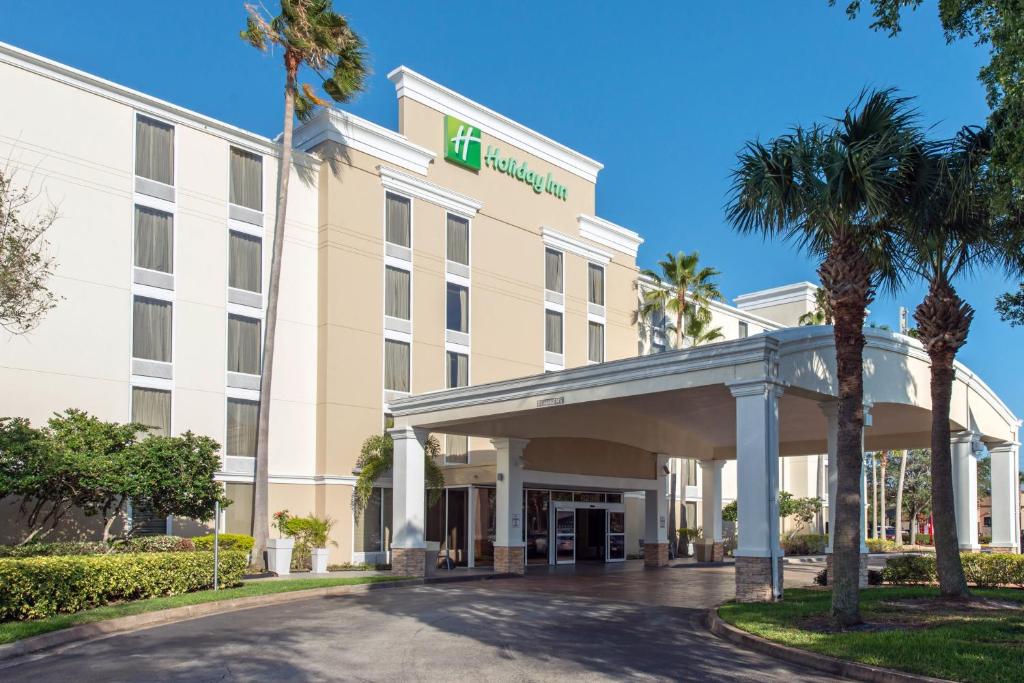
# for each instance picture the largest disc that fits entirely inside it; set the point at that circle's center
(663, 95)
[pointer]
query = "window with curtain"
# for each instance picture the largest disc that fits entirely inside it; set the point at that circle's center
(456, 451)
(691, 471)
(154, 239)
(744, 330)
(553, 331)
(553, 270)
(245, 262)
(458, 369)
(246, 179)
(458, 308)
(398, 216)
(243, 417)
(396, 292)
(151, 329)
(244, 344)
(152, 407)
(595, 351)
(458, 240)
(396, 365)
(154, 150)
(368, 526)
(595, 290)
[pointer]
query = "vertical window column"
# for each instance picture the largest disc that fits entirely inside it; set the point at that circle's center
(596, 319)
(554, 309)
(398, 296)
(457, 342)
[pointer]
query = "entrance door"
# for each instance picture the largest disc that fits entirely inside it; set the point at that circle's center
(565, 536)
(591, 535)
(616, 536)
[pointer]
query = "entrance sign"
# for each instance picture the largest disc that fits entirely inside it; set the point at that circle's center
(461, 143)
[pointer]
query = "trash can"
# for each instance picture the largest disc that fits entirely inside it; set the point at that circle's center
(433, 548)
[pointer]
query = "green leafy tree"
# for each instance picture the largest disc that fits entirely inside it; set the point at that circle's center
(699, 330)
(917, 488)
(804, 510)
(822, 313)
(376, 458)
(832, 189)
(683, 288)
(311, 35)
(1010, 307)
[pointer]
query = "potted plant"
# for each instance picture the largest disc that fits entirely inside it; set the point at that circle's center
(318, 530)
(279, 550)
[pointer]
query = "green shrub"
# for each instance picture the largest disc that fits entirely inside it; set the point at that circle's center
(309, 532)
(997, 569)
(922, 539)
(821, 578)
(909, 569)
(880, 545)
(57, 548)
(227, 542)
(153, 544)
(38, 587)
(805, 544)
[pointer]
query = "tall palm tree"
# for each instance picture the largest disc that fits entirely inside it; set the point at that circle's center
(951, 231)
(832, 190)
(682, 288)
(822, 313)
(698, 327)
(310, 34)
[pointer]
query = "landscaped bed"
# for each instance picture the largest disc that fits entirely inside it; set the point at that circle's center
(16, 630)
(906, 628)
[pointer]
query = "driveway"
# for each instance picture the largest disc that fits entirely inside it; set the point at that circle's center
(594, 623)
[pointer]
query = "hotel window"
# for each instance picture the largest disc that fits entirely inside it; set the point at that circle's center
(151, 329)
(458, 369)
(154, 240)
(553, 273)
(396, 365)
(456, 450)
(243, 345)
(243, 417)
(152, 407)
(458, 240)
(373, 524)
(689, 472)
(595, 288)
(245, 262)
(396, 293)
(458, 308)
(744, 330)
(154, 150)
(246, 179)
(595, 347)
(552, 331)
(398, 219)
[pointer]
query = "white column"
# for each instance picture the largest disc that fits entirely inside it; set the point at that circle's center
(656, 507)
(1005, 509)
(965, 489)
(831, 411)
(408, 483)
(757, 490)
(509, 494)
(711, 499)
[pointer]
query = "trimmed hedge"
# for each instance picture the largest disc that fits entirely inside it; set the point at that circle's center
(39, 587)
(805, 544)
(880, 545)
(138, 544)
(153, 544)
(227, 542)
(981, 569)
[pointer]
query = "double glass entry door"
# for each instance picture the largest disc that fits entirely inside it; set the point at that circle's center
(588, 532)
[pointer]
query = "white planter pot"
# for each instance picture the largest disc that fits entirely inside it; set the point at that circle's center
(279, 555)
(318, 560)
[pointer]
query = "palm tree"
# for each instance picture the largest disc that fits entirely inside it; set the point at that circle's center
(950, 232)
(682, 288)
(822, 313)
(832, 190)
(698, 327)
(376, 458)
(309, 34)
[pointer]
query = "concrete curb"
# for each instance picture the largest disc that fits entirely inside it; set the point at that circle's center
(11, 653)
(838, 667)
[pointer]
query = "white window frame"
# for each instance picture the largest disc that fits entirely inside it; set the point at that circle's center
(167, 296)
(241, 380)
(400, 332)
(604, 342)
(263, 183)
(174, 152)
(552, 361)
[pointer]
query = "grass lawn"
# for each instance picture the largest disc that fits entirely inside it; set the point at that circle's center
(16, 630)
(906, 632)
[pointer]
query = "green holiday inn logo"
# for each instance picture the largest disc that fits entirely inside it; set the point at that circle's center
(462, 146)
(462, 143)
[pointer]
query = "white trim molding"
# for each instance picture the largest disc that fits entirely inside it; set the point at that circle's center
(564, 243)
(411, 186)
(796, 293)
(609, 234)
(365, 136)
(421, 89)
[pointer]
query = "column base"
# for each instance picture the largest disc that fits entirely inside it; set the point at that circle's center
(970, 548)
(408, 561)
(862, 581)
(1003, 549)
(655, 554)
(509, 559)
(754, 579)
(710, 552)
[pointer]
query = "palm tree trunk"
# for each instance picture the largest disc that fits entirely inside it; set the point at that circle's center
(881, 492)
(944, 320)
(899, 500)
(261, 492)
(846, 275)
(874, 497)
(822, 482)
(913, 526)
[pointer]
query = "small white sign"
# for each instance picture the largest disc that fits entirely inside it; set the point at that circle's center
(515, 520)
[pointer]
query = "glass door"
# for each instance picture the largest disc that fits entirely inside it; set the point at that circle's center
(565, 536)
(616, 536)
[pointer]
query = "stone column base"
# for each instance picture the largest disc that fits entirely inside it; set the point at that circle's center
(509, 559)
(655, 554)
(408, 561)
(1002, 549)
(970, 548)
(754, 579)
(710, 552)
(863, 577)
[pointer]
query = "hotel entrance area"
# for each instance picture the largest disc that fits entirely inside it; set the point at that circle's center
(558, 526)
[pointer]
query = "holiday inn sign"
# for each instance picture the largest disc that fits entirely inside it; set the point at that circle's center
(462, 146)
